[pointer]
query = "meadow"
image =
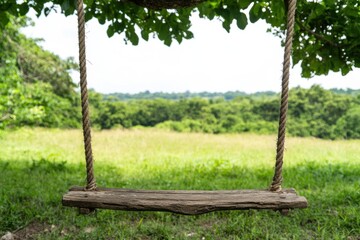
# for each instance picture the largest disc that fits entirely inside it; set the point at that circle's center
(37, 166)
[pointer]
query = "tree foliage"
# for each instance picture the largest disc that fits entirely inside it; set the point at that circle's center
(35, 86)
(312, 112)
(326, 36)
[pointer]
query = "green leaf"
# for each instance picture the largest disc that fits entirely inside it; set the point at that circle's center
(23, 8)
(65, 5)
(88, 16)
(188, 35)
(241, 21)
(133, 37)
(4, 19)
(145, 34)
(119, 26)
(38, 8)
(226, 25)
(179, 38)
(163, 31)
(345, 70)
(102, 19)
(110, 31)
(255, 13)
(168, 41)
(68, 7)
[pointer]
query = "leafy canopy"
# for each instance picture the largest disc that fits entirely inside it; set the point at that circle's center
(326, 35)
(36, 88)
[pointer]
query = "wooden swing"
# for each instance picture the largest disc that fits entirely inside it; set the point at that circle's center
(180, 201)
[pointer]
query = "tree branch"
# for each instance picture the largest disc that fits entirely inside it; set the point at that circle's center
(316, 35)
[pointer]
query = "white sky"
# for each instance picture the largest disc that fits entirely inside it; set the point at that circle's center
(214, 60)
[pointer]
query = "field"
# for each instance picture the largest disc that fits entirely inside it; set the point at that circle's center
(38, 165)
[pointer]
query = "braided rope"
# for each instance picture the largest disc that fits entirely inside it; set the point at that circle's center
(91, 184)
(277, 179)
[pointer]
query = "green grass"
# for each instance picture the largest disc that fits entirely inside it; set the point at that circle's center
(38, 165)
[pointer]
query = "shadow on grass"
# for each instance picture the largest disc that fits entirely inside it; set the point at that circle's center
(33, 190)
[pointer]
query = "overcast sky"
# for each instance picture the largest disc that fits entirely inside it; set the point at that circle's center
(214, 60)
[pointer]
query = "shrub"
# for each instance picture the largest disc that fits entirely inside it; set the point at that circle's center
(348, 126)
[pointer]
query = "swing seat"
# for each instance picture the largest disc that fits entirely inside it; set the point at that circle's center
(190, 202)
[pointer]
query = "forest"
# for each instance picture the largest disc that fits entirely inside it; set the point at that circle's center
(36, 90)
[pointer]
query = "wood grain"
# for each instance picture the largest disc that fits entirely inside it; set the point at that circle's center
(183, 202)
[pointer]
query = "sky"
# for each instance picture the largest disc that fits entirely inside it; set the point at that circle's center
(247, 60)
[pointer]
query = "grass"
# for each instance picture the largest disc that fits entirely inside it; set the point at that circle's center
(38, 165)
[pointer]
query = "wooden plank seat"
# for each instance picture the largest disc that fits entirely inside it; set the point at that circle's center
(190, 202)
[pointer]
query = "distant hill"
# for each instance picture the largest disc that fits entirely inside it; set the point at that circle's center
(347, 91)
(230, 95)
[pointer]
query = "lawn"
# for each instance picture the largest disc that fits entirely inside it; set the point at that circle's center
(39, 165)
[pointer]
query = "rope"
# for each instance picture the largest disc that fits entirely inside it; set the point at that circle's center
(91, 184)
(277, 179)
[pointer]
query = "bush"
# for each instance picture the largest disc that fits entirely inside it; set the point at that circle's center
(259, 126)
(173, 126)
(348, 126)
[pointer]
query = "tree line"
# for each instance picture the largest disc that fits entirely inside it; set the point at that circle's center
(312, 112)
(229, 95)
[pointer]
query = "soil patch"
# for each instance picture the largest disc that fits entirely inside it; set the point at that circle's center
(31, 231)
